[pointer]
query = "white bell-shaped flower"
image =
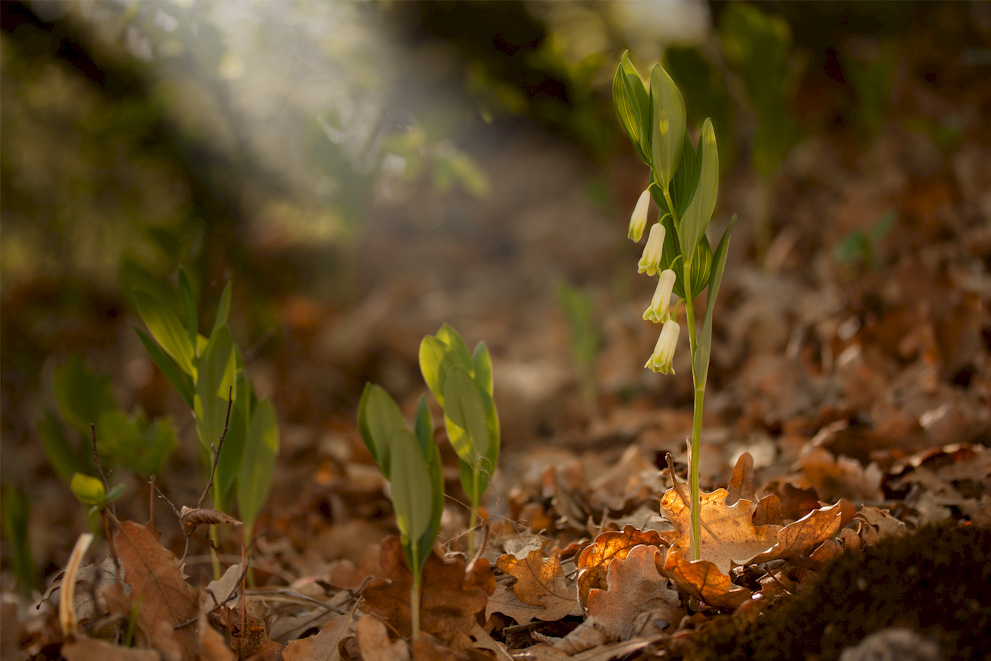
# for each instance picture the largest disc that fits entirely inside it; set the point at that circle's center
(650, 262)
(638, 221)
(658, 310)
(663, 357)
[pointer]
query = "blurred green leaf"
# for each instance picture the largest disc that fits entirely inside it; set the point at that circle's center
(216, 376)
(61, 454)
(81, 395)
(229, 462)
(182, 382)
(258, 461)
(633, 106)
(464, 408)
(134, 443)
(16, 518)
(378, 419)
(412, 490)
(223, 308)
(167, 330)
(89, 490)
(482, 362)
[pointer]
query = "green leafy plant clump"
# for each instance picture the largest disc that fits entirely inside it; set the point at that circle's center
(684, 181)
(238, 431)
(409, 459)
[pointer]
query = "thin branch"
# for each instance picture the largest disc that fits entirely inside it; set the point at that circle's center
(216, 453)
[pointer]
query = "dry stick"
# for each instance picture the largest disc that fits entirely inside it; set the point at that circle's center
(216, 452)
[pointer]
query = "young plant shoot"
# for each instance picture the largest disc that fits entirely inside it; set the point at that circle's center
(410, 461)
(462, 383)
(683, 184)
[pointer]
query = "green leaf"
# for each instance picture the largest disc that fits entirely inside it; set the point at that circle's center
(379, 420)
(482, 362)
(257, 461)
(89, 490)
(216, 376)
(182, 382)
(705, 337)
(424, 426)
(61, 454)
(229, 462)
(16, 518)
(81, 395)
(464, 413)
(114, 494)
(412, 492)
(668, 127)
(435, 362)
(700, 263)
(167, 330)
(424, 434)
(700, 209)
(188, 305)
(450, 337)
(633, 105)
(134, 443)
(223, 307)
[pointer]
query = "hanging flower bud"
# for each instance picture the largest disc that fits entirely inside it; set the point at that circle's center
(638, 221)
(658, 310)
(663, 356)
(650, 262)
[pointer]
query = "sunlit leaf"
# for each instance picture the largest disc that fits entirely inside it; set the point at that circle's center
(465, 408)
(181, 381)
(261, 448)
(167, 330)
(216, 376)
(89, 490)
(412, 491)
(705, 337)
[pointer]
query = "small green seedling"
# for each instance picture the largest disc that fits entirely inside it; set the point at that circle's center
(861, 248)
(410, 461)
(16, 514)
(577, 307)
(208, 373)
(462, 383)
(683, 183)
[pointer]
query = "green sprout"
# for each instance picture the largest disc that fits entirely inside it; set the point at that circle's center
(410, 461)
(208, 373)
(683, 183)
(462, 383)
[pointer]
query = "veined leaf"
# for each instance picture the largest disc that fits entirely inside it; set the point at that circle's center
(229, 461)
(700, 263)
(450, 337)
(379, 420)
(633, 106)
(412, 492)
(668, 127)
(181, 381)
(465, 409)
(705, 337)
(699, 210)
(167, 330)
(257, 461)
(483, 367)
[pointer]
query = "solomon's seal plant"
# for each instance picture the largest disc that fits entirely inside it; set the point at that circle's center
(410, 461)
(683, 183)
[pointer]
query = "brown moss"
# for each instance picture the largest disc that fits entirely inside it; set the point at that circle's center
(936, 581)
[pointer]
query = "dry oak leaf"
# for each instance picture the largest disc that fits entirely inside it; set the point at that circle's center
(803, 535)
(791, 502)
(374, 643)
(450, 598)
(505, 601)
(593, 562)
(728, 532)
(637, 598)
(839, 477)
(157, 584)
(213, 646)
(324, 645)
(703, 580)
(741, 482)
(542, 583)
